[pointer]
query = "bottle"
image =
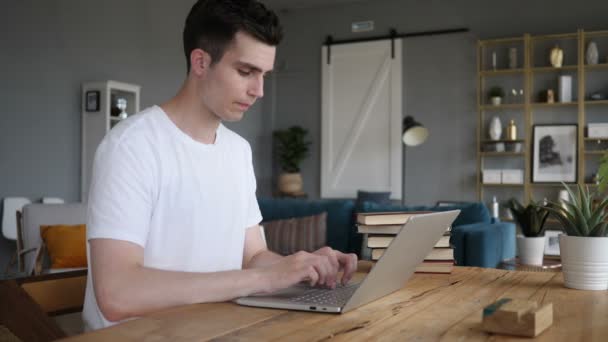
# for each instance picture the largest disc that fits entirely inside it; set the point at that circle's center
(495, 208)
(512, 130)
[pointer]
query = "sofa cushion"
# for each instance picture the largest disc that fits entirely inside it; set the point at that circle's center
(380, 197)
(474, 212)
(339, 216)
(307, 233)
(66, 245)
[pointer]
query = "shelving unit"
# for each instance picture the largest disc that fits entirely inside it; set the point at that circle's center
(533, 74)
(97, 123)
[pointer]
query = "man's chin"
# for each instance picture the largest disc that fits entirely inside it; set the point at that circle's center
(233, 117)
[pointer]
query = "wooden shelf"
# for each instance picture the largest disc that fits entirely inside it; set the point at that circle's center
(596, 66)
(503, 106)
(503, 141)
(596, 139)
(499, 72)
(539, 75)
(498, 154)
(596, 102)
(552, 69)
(543, 185)
(502, 185)
(596, 152)
(556, 104)
(556, 36)
(488, 42)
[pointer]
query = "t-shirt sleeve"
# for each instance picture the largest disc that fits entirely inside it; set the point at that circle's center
(253, 215)
(121, 192)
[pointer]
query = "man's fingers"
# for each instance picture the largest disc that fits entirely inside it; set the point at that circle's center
(349, 265)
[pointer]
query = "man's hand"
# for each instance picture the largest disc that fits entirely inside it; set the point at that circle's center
(347, 263)
(318, 269)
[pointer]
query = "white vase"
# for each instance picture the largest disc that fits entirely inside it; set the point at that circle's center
(584, 262)
(531, 250)
(496, 100)
(495, 129)
(592, 54)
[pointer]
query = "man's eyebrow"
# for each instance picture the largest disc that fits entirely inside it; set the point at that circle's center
(252, 67)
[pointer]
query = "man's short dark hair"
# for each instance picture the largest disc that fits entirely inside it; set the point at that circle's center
(212, 24)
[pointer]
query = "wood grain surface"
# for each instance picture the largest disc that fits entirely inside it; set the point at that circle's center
(430, 307)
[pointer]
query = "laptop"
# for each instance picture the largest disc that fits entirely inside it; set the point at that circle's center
(407, 250)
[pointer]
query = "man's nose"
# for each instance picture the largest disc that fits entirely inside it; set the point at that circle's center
(256, 87)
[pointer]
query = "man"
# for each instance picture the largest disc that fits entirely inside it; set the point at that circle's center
(173, 218)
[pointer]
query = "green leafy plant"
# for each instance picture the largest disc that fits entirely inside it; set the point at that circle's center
(292, 147)
(530, 218)
(497, 92)
(582, 215)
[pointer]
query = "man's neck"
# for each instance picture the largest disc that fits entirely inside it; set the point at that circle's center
(190, 116)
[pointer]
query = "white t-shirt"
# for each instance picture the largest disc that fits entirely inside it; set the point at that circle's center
(186, 203)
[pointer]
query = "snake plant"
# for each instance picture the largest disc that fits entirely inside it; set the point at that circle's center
(530, 218)
(581, 216)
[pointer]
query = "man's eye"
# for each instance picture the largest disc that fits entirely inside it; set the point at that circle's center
(244, 72)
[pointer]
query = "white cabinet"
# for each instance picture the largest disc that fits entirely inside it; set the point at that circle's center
(99, 115)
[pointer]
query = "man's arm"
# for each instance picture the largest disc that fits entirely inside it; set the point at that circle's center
(124, 288)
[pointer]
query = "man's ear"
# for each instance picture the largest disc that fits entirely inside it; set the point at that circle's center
(200, 61)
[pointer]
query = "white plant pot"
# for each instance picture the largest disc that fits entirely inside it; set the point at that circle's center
(584, 262)
(496, 100)
(531, 250)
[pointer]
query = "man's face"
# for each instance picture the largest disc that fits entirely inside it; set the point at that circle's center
(234, 83)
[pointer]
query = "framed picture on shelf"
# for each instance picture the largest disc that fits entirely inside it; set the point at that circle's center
(92, 101)
(552, 242)
(554, 155)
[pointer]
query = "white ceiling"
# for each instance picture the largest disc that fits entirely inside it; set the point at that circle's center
(294, 4)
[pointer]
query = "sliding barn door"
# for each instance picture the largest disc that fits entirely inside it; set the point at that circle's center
(361, 118)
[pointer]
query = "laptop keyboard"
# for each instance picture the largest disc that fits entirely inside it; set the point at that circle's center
(335, 297)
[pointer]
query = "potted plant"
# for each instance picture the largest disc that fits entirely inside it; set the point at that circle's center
(292, 149)
(584, 247)
(496, 95)
(531, 220)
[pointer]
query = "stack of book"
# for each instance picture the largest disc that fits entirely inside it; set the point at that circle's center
(379, 230)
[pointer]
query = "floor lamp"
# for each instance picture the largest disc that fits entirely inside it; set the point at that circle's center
(414, 134)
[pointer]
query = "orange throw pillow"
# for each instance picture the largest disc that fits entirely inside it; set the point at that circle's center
(66, 245)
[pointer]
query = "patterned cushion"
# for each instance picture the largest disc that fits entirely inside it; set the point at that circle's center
(307, 233)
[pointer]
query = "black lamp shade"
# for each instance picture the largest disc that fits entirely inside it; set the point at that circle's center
(413, 132)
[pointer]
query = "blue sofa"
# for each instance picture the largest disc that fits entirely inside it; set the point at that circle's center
(478, 240)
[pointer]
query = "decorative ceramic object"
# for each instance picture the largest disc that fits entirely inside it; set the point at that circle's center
(121, 104)
(584, 262)
(531, 250)
(556, 57)
(513, 58)
(495, 130)
(511, 130)
(290, 183)
(550, 96)
(496, 100)
(494, 60)
(592, 54)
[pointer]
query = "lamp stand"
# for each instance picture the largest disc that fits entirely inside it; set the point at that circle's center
(403, 175)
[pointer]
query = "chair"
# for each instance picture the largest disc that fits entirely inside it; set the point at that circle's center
(35, 215)
(10, 206)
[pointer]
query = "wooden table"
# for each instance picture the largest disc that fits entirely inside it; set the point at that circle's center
(430, 307)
